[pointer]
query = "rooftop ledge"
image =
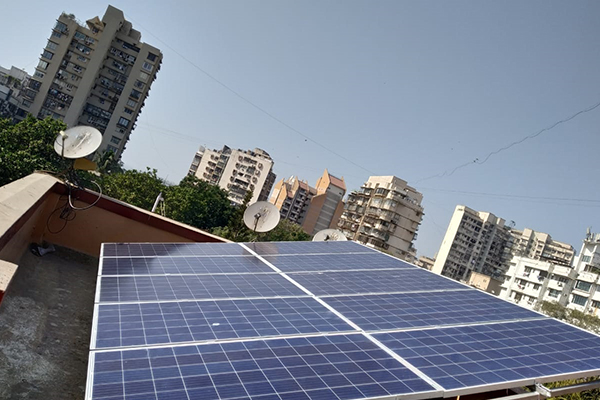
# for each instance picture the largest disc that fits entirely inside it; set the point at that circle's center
(30, 212)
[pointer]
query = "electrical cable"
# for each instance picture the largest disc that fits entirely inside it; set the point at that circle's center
(248, 101)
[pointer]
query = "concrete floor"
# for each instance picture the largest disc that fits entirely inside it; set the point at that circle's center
(45, 325)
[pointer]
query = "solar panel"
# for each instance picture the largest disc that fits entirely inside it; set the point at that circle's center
(138, 324)
(273, 248)
(332, 320)
(377, 281)
(172, 249)
(332, 262)
(182, 265)
(512, 354)
(409, 310)
(312, 368)
(194, 287)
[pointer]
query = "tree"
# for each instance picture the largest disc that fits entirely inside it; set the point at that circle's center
(134, 187)
(286, 231)
(574, 317)
(198, 203)
(108, 163)
(29, 146)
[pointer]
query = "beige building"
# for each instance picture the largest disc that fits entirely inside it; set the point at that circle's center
(540, 246)
(585, 295)
(327, 205)
(236, 171)
(474, 241)
(425, 262)
(12, 82)
(97, 74)
(384, 214)
(485, 283)
(292, 197)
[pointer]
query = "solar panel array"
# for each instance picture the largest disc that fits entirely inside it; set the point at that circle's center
(309, 321)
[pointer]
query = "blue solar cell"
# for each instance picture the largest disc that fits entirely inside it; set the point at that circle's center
(172, 249)
(333, 262)
(314, 368)
(376, 281)
(408, 310)
(194, 287)
(273, 248)
(123, 325)
(463, 357)
(182, 265)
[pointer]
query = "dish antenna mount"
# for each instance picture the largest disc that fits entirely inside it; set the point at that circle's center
(261, 216)
(329, 235)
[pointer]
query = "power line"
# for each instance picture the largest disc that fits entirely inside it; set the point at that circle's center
(515, 143)
(256, 106)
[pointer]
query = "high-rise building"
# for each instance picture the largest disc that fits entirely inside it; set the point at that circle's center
(12, 82)
(474, 241)
(480, 242)
(384, 214)
(327, 205)
(292, 197)
(585, 295)
(97, 74)
(236, 171)
(540, 246)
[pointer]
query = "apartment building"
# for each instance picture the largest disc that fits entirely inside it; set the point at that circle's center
(540, 246)
(327, 205)
(292, 197)
(474, 241)
(236, 171)
(96, 73)
(425, 262)
(585, 295)
(12, 82)
(529, 281)
(385, 214)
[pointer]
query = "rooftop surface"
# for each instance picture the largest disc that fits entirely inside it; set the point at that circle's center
(45, 330)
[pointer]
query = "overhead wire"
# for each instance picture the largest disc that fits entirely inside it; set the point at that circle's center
(251, 103)
(508, 146)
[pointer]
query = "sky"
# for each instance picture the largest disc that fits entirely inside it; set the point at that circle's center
(411, 89)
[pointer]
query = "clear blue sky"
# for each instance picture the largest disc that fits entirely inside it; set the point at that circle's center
(410, 89)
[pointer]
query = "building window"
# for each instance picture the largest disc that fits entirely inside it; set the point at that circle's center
(595, 303)
(586, 258)
(144, 76)
(553, 293)
(147, 66)
(56, 34)
(580, 300)
(42, 65)
(38, 74)
(139, 84)
(131, 103)
(47, 54)
(111, 148)
(51, 45)
(123, 122)
(128, 110)
(152, 57)
(115, 140)
(536, 286)
(61, 27)
(135, 94)
(585, 286)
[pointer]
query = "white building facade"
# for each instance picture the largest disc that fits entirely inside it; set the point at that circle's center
(236, 171)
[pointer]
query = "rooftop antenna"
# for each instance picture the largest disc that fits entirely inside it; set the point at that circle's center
(261, 216)
(75, 144)
(329, 235)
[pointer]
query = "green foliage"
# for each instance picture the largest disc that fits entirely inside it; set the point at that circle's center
(587, 395)
(28, 146)
(198, 203)
(134, 187)
(586, 321)
(108, 163)
(286, 231)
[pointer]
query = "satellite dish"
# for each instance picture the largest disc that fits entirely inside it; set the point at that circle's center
(329, 235)
(261, 216)
(77, 142)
